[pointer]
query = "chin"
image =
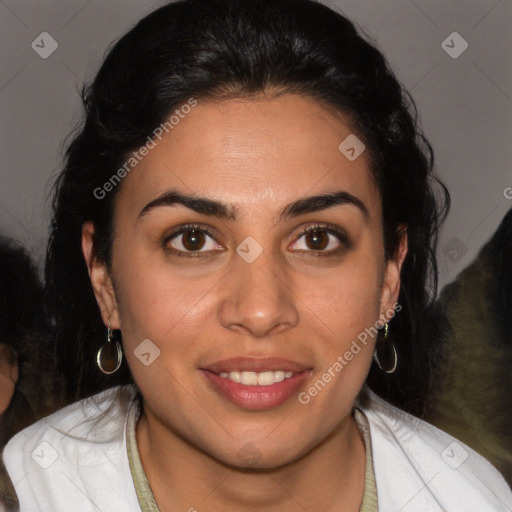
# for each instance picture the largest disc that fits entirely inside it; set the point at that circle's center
(258, 455)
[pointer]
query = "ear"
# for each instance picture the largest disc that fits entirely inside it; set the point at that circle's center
(391, 284)
(8, 376)
(100, 279)
(9, 363)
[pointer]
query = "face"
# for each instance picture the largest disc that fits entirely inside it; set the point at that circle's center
(248, 248)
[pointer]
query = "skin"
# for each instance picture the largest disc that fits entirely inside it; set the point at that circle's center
(256, 156)
(8, 376)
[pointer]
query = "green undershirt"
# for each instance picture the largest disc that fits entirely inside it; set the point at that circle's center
(147, 500)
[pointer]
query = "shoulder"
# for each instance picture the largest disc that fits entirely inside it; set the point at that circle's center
(419, 467)
(76, 455)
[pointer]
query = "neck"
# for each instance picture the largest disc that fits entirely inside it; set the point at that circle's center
(182, 477)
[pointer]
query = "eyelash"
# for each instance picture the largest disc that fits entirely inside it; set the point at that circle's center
(181, 231)
(330, 229)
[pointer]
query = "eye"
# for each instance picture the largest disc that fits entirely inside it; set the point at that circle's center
(326, 239)
(191, 239)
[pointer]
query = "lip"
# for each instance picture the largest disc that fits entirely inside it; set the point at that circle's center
(255, 364)
(256, 398)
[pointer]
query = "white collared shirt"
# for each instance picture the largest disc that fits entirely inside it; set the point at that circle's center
(76, 460)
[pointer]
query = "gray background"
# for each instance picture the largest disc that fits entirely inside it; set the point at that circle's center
(465, 103)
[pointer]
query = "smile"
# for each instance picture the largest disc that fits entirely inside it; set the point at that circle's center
(256, 391)
(266, 378)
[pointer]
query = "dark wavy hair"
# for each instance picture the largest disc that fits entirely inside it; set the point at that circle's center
(221, 49)
(26, 331)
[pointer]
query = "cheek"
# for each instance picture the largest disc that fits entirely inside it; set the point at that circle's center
(348, 304)
(158, 303)
(348, 298)
(162, 320)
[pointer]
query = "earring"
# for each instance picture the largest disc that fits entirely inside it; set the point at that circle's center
(387, 354)
(110, 355)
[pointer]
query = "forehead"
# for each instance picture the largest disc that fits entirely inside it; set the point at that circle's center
(249, 152)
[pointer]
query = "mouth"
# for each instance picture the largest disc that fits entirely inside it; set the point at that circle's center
(256, 383)
(266, 378)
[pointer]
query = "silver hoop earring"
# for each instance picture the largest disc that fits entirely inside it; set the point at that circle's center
(110, 355)
(387, 354)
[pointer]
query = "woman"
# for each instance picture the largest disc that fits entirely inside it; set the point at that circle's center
(247, 208)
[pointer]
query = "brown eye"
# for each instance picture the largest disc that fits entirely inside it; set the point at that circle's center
(317, 240)
(193, 240)
(321, 240)
(189, 240)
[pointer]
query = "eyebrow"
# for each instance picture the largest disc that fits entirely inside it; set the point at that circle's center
(198, 204)
(218, 209)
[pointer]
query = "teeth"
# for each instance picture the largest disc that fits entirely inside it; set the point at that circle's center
(249, 378)
(254, 378)
(265, 378)
(279, 376)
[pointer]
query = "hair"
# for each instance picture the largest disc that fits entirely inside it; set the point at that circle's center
(25, 330)
(223, 49)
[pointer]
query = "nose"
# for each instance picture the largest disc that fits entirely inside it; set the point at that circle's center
(257, 299)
